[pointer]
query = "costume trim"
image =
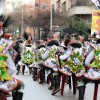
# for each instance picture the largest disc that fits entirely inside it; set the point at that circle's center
(70, 49)
(3, 66)
(64, 73)
(9, 47)
(47, 66)
(92, 46)
(75, 62)
(86, 53)
(92, 78)
(15, 80)
(4, 78)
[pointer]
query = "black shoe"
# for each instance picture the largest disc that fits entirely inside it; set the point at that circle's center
(57, 87)
(35, 78)
(67, 80)
(51, 80)
(41, 82)
(51, 87)
(42, 74)
(56, 90)
(18, 72)
(17, 95)
(8, 94)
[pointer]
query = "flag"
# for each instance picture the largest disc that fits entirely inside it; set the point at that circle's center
(97, 3)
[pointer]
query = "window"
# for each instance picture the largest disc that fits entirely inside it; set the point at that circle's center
(89, 3)
(89, 18)
(77, 17)
(53, 6)
(64, 6)
(44, 6)
(82, 3)
(58, 4)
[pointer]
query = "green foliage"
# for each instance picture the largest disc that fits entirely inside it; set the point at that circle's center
(82, 28)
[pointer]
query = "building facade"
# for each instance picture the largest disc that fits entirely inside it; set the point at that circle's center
(40, 7)
(1, 7)
(17, 5)
(80, 9)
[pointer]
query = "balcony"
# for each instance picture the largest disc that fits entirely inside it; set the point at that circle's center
(82, 8)
(82, 3)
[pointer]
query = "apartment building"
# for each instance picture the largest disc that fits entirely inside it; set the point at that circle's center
(61, 5)
(80, 9)
(17, 5)
(42, 5)
(42, 1)
(1, 7)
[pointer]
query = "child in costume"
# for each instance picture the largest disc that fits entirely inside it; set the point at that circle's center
(74, 63)
(27, 56)
(18, 48)
(50, 62)
(63, 58)
(39, 52)
(92, 65)
(35, 66)
(7, 66)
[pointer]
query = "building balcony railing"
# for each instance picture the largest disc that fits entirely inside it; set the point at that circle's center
(82, 3)
(81, 10)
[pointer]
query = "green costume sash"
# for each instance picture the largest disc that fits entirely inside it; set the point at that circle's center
(28, 57)
(52, 52)
(3, 66)
(96, 62)
(39, 54)
(75, 62)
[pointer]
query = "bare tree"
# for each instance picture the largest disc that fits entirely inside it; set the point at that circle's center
(42, 20)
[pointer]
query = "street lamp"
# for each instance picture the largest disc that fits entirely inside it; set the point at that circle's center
(51, 16)
(22, 23)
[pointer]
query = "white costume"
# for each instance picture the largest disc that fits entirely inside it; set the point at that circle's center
(8, 85)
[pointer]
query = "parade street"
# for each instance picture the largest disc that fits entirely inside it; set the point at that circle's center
(49, 49)
(35, 91)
